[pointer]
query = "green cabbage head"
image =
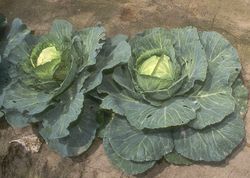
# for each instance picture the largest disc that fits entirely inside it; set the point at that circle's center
(159, 70)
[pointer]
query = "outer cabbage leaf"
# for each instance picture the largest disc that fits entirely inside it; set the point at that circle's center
(17, 119)
(62, 30)
(214, 107)
(111, 55)
(215, 97)
(123, 81)
(130, 167)
(17, 34)
(152, 39)
(223, 60)
(138, 145)
(25, 100)
(140, 115)
(81, 132)
(213, 143)
(122, 76)
(89, 45)
(189, 51)
(57, 120)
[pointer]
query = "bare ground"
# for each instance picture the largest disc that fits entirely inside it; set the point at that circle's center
(229, 17)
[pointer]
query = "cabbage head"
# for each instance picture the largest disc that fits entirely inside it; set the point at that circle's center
(179, 96)
(51, 78)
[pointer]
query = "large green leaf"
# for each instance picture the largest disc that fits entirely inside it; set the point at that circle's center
(22, 50)
(152, 39)
(120, 54)
(69, 78)
(111, 102)
(213, 143)
(223, 60)
(57, 120)
(129, 167)
(62, 30)
(215, 97)
(17, 34)
(108, 86)
(82, 132)
(122, 76)
(214, 107)
(89, 45)
(140, 115)
(119, 83)
(17, 119)
(189, 51)
(24, 99)
(138, 145)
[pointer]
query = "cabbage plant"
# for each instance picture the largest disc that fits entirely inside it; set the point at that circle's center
(51, 76)
(180, 97)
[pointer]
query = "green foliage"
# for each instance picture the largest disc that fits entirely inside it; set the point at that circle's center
(51, 76)
(174, 93)
(179, 96)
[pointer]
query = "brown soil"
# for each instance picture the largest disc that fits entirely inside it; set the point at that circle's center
(229, 17)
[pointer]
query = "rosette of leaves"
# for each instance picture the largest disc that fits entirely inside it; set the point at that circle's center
(51, 76)
(180, 96)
